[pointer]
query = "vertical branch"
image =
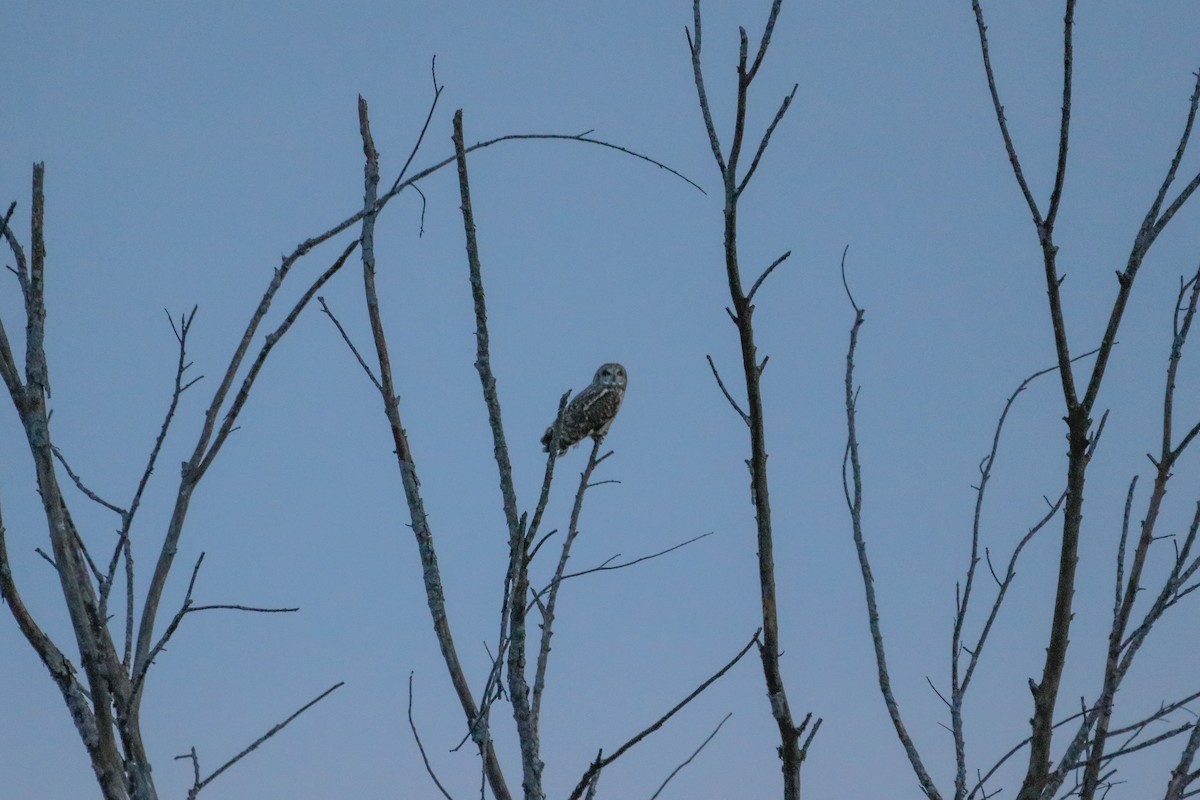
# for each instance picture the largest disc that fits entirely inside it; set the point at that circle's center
(434, 591)
(1038, 778)
(8, 365)
(548, 608)
(518, 571)
(854, 501)
(790, 751)
(1121, 646)
(106, 680)
(483, 361)
(36, 371)
(960, 679)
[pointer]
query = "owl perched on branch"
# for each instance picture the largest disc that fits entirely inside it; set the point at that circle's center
(590, 412)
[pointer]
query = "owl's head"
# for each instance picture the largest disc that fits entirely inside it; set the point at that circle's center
(611, 375)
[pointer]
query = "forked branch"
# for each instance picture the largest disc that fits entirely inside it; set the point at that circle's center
(419, 522)
(742, 312)
(199, 784)
(602, 761)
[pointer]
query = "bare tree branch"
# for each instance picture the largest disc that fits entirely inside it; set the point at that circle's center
(601, 762)
(763, 276)
(960, 681)
(210, 443)
(1039, 779)
(431, 574)
(62, 672)
(95, 498)
(1009, 147)
(720, 383)
(854, 500)
(198, 785)
(122, 546)
(346, 338)
(120, 766)
(762, 145)
(608, 566)
(548, 609)
(1181, 776)
(1120, 650)
(437, 94)
(692, 757)
(1152, 225)
(417, 738)
(742, 316)
(518, 571)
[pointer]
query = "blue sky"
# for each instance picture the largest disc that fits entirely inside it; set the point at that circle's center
(187, 147)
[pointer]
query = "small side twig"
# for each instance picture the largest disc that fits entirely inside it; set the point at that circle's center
(437, 94)
(417, 737)
(198, 785)
(745, 417)
(187, 608)
(91, 495)
(608, 566)
(759, 282)
(600, 762)
(692, 757)
(346, 338)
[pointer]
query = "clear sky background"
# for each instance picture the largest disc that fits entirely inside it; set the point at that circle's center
(187, 147)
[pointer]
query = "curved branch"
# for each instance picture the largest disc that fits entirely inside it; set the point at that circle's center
(854, 500)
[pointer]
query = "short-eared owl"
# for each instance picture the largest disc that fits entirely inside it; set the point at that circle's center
(590, 412)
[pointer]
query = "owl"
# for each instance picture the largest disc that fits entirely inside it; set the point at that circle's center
(591, 411)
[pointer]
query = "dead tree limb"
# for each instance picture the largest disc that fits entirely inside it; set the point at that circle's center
(734, 184)
(107, 712)
(198, 784)
(519, 542)
(592, 773)
(434, 590)
(854, 501)
(1040, 778)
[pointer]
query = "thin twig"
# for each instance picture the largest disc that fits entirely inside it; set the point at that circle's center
(346, 338)
(762, 145)
(140, 673)
(692, 757)
(763, 276)
(437, 94)
(1009, 147)
(607, 566)
(417, 737)
(601, 762)
(198, 785)
(95, 498)
(720, 383)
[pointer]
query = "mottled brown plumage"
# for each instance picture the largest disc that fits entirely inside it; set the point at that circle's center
(591, 412)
